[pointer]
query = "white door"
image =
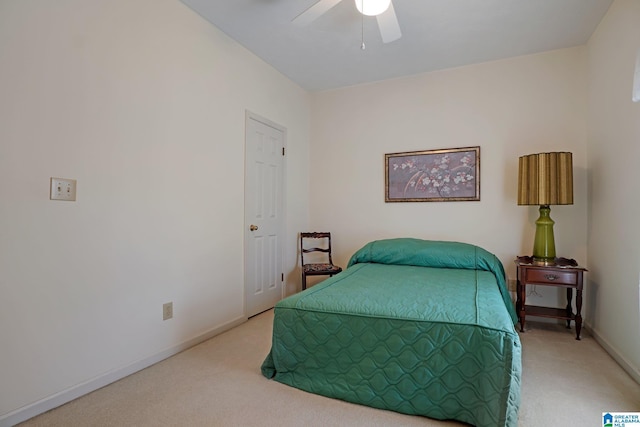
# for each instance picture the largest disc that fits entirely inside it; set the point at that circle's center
(264, 161)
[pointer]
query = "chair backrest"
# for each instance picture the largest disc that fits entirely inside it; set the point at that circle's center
(323, 239)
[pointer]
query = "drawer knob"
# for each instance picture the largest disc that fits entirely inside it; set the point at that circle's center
(551, 277)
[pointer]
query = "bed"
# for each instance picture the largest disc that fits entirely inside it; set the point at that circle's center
(414, 326)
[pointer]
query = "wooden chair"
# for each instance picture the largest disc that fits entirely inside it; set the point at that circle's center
(317, 268)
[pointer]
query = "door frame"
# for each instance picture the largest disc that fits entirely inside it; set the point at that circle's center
(282, 225)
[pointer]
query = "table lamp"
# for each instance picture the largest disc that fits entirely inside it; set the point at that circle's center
(545, 179)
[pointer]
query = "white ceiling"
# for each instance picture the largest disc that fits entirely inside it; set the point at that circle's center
(436, 34)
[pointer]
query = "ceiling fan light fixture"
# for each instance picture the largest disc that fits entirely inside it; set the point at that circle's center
(372, 7)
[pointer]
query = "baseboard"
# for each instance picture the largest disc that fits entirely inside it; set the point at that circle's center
(65, 396)
(613, 352)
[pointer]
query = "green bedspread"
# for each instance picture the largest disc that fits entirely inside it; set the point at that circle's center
(436, 254)
(413, 326)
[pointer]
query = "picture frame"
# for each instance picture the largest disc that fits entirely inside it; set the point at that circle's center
(444, 175)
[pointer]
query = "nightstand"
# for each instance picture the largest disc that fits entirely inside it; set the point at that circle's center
(565, 274)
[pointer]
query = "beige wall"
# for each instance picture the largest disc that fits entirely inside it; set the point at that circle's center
(509, 108)
(143, 102)
(614, 208)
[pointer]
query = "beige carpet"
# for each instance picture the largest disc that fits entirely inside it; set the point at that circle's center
(218, 383)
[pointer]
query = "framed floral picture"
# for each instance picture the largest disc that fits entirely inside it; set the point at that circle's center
(446, 175)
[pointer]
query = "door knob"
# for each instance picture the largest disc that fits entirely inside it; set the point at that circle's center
(253, 227)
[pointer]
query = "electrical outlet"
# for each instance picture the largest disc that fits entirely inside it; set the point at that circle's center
(167, 311)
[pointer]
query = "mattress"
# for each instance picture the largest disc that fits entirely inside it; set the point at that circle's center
(418, 327)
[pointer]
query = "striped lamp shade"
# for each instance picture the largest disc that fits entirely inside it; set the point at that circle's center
(545, 179)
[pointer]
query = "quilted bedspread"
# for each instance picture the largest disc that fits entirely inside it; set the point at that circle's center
(412, 326)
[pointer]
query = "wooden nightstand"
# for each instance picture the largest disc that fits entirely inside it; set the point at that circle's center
(566, 274)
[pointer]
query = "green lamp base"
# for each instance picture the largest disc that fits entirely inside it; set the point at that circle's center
(544, 246)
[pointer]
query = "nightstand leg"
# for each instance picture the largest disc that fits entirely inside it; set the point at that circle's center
(520, 302)
(578, 313)
(569, 309)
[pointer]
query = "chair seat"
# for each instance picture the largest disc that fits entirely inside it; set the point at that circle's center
(321, 268)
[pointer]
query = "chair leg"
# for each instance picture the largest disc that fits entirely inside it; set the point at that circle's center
(304, 281)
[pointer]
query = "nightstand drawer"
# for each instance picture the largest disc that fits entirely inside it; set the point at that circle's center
(551, 276)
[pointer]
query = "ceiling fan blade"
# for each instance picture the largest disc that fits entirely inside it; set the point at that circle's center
(314, 12)
(388, 24)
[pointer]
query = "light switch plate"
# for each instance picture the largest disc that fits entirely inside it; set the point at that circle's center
(63, 189)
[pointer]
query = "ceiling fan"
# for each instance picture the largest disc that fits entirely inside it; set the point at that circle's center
(382, 9)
